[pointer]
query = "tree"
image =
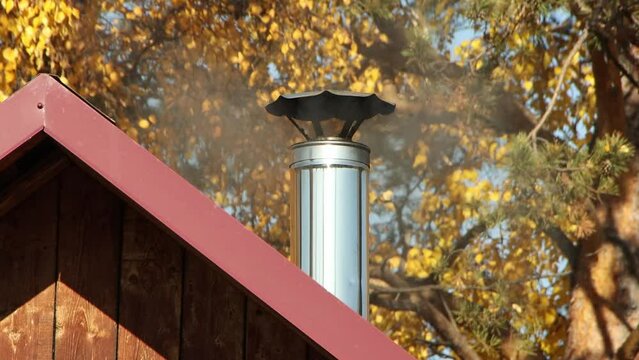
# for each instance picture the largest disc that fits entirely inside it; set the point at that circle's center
(503, 191)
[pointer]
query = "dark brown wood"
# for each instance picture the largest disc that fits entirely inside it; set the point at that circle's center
(213, 313)
(25, 184)
(315, 354)
(269, 338)
(27, 284)
(18, 153)
(88, 252)
(150, 291)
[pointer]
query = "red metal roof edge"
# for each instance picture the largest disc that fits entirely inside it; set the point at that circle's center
(46, 105)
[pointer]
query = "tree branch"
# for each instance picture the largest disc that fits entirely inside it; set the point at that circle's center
(623, 70)
(507, 115)
(460, 245)
(434, 303)
(410, 289)
(427, 304)
(564, 69)
(630, 348)
(565, 245)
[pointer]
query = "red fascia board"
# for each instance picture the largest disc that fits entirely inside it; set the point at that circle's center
(192, 216)
(20, 119)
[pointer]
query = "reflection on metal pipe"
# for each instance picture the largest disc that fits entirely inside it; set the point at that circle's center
(329, 207)
(329, 216)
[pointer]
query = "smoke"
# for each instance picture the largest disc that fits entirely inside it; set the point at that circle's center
(194, 82)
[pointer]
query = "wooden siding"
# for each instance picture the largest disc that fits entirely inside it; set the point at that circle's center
(88, 255)
(86, 276)
(27, 270)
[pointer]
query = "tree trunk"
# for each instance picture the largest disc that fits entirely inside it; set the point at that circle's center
(603, 308)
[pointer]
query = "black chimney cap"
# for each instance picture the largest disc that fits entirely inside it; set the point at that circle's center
(315, 106)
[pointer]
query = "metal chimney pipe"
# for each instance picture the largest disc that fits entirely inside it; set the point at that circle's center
(329, 202)
(329, 217)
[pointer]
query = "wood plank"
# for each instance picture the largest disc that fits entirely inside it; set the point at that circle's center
(213, 313)
(269, 338)
(150, 291)
(10, 159)
(314, 354)
(30, 181)
(27, 283)
(88, 263)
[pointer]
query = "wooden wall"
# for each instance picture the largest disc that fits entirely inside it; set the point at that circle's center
(85, 276)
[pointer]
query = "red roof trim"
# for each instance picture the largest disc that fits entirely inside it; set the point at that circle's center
(19, 120)
(191, 215)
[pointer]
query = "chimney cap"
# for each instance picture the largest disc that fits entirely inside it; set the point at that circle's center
(315, 106)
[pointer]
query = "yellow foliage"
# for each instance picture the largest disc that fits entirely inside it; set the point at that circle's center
(224, 63)
(420, 159)
(528, 85)
(143, 123)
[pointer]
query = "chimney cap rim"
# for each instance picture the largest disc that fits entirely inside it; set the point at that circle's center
(322, 105)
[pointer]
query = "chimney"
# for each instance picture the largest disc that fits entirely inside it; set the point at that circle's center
(329, 201)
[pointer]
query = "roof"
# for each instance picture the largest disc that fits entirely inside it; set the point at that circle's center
(47, 107)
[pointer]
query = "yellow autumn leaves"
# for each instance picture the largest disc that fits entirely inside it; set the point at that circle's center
(470, 52)
(35, 27)
(319, 33)
(10, 55)
(421, 262)
(534, 71)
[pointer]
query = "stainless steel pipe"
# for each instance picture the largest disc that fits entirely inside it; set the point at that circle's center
(329, 217)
